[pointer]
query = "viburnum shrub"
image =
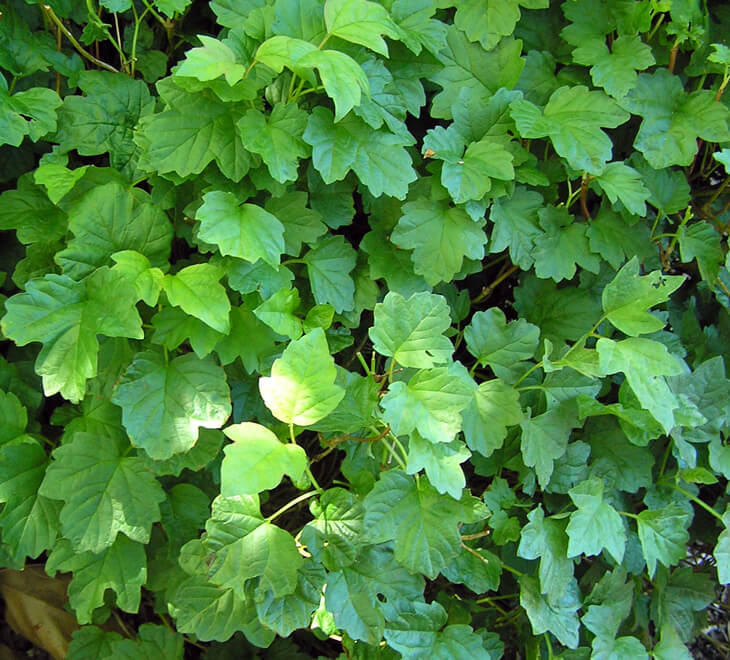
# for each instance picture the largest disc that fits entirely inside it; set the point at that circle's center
(368, 329)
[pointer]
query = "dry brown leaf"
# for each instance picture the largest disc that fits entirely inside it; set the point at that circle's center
(34, 608)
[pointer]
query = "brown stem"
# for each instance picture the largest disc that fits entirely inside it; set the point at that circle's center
(584, 197)
(672, 58)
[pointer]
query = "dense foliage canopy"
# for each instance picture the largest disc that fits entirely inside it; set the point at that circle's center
(368, 329)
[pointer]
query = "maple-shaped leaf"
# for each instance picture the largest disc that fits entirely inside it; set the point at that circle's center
(663, 535)
(136, 267)
(164, 403)
(211, 612)
(32, 113)
(278, 310)
(423, 524)
(379, 158)
(29, 520)
(277, 138)
(615, 69)
(545, 539)
(610, 236)
(249, 339)
(596, 524)
(572, 119)
(197, 291)
(421, 632)
(153, 642)
(194, 130)
(411, 330)
(623, 183)
(28, 210)
(257, 460)
(516, 226)
(360, 22)
(66, 317)
(465, 65)
(627, 298)
(440, 461)
(329, 264)
(494, 407)
(721, 552)
(498, 344)
(91, 642)
(670, 645)
(14, 416)
(246, 231)
(701, 241)
(608, 604)
(545, 439)
(108, 219)
(430, 402)
(560, 616)
(243, 545)
(210, 61)
(440, 236)
(103, 120)
(644, 362)
(301, 389)
(333, 537)
(172, 327)
(674, 119)
(121, 567)
(488, 22)
(374, 588)
(104, 491)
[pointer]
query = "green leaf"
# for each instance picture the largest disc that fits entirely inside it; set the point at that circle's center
(440, 237)
(558, 617)
(360, 22)
(104, 492)
(245, 231)
(644, 362)
(670, 646)
(423, 524)
(623, 183)
(104, 119)
(421, 633)
(152, 642)
(615, 69)
(29, 521)
(595, 524)
(173, 327)
(610, 236)
(545, 439)
(210, 61)
(342, 77)
(249, 339)
(197, 291)
(352, 593)
(721, 553)
(66, 317)
(516, 226)
(627, 298)
(621, 648)
(465, 65)
(301, 389)
(329, 264)
(278, 310)
(243, 546)
(702, 242)
(257, 460)
(333, 537)
(378, 157)
(674, 119)
(488, 22)
(498, 344)
(411, 331)
(29, 211)
(611, 601)
(164, 404)
(109, 219)
(136, 267)
(32, 113)
(92, 643)
(441, 462)
(430, 403)
(494, 407)
(122, 567)
(479, 574)
(663, 535)
(211, 612)
(572, 119)
(277, 138)
(545, 539)
(14, 416)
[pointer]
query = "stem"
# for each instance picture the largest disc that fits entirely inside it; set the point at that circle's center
(697, 501)
(719, 191)
(673, 56)
(488, 290)
(307, 469)
(584, 196)
(478, 535)
(364, 364)
(292, 504)
(79, 48)
(655, 28)
(665, 458)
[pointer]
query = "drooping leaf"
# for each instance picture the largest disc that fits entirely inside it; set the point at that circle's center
(663, 535)
(329, 264)
(559, 617)
(494, 407)
(361, 22)
(197, 291)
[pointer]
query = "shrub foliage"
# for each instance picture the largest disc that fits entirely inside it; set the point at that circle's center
(382, 329)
